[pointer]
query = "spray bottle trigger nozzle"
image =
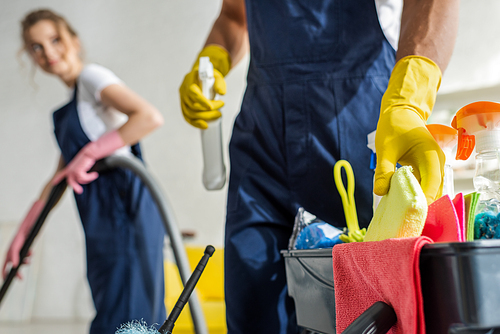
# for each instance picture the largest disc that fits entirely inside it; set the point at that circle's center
(465, 144)
(205, 68)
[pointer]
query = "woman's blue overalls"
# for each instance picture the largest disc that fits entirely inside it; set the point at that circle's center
(124, 237)
(317, 73)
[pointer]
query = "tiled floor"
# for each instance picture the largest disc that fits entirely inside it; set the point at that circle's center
(44, 328)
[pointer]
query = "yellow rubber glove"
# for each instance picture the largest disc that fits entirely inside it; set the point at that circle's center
(196, 108)
(401, 132)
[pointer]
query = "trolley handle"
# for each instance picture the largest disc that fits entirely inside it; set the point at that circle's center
(377, 319)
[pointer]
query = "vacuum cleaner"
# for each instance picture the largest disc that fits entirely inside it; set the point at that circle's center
(136, 166)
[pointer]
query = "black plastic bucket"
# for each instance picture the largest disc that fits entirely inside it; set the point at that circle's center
(461, 285)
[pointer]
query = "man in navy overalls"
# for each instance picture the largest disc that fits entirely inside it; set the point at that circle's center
(318, 71)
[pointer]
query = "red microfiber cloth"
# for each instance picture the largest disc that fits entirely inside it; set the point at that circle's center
(459, 204)
(442, 223)
(388, 271)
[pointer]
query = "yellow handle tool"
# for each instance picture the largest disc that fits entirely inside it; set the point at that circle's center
(351, 216)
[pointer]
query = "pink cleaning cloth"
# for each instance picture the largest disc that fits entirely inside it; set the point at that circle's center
(442, 224)
(388, 271)
(459, 204)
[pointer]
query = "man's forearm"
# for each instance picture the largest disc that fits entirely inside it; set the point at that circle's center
(429, 29)
(230, 30)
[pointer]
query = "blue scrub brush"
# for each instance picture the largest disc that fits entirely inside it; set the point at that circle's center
(140, 327)
(136, 327)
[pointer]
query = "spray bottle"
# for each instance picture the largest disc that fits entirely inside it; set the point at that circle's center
(214, 170)
(446, 137)
(478, 125)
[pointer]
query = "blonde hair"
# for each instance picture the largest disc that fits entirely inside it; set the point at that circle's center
(33, 18)
(36, 16)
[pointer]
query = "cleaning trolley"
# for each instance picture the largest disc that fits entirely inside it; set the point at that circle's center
(460, 287)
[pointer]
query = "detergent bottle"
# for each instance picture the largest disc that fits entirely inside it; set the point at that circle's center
(214, 169)
(446, 137)
(478, 125)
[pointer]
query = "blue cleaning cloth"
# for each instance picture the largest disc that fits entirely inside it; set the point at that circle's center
(318, 235)
(487, 225)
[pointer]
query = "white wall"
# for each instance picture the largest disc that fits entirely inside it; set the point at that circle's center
(150, 45)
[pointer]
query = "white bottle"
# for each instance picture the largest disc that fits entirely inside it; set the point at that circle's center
(214, 170)
(448, 182)
(371, 145)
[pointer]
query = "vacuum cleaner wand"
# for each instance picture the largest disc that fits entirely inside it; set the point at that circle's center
(137, 167)
(168, 325)
(55, 195)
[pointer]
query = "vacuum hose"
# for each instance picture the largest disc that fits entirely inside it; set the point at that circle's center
(54, 197)
(137, 167)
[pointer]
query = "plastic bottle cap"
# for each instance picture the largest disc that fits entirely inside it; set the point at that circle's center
(445, 136)
(477, 119)
(488, 140)
(205, 67)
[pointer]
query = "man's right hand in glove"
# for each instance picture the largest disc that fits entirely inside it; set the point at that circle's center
(402, 136)
(196, 108)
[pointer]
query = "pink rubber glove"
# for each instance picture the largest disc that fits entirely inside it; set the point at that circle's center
(76, 172)
(20, 237)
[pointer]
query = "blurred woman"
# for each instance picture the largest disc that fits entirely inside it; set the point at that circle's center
(123, 229)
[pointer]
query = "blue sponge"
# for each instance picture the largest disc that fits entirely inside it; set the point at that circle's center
(487, 225)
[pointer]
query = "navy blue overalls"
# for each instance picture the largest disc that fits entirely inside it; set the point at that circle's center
(317, 73)
(123, 234)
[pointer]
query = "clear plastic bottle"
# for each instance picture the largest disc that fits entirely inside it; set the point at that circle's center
(478, 125)
(446, 137)
(487, 184)
(214, 169)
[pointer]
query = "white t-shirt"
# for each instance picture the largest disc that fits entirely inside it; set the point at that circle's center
(389, 16)
(95, 118)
